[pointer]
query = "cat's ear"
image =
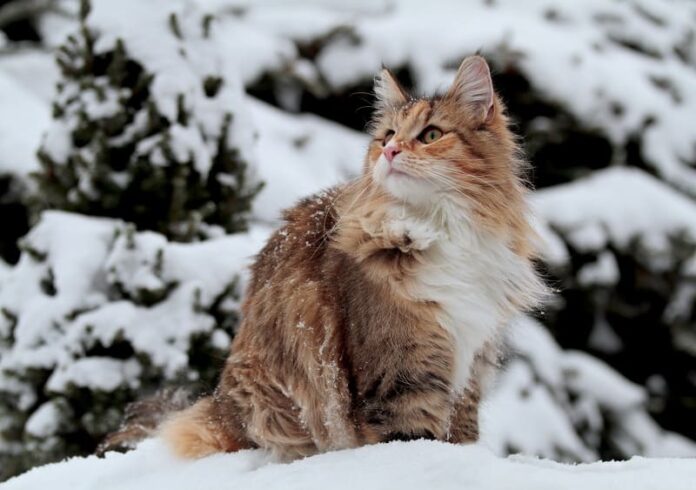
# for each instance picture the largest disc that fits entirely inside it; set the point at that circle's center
(388, 91)
(473, 89)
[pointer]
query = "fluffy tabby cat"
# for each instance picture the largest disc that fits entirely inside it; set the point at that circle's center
(375, 313)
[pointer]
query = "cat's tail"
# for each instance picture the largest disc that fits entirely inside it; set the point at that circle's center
(143, 418)
(189, 429)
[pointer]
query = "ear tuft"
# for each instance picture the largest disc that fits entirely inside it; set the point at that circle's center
(473, 88)
(388, 91)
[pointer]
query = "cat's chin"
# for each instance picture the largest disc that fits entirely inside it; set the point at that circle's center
(407, 188)
(402, 185)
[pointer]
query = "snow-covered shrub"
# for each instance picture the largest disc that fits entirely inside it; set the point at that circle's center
(149, 124)
(150, 136)
(626, 286)
(96, 314)
(569, 406)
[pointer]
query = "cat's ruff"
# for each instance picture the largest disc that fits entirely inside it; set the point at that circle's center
(468, 272)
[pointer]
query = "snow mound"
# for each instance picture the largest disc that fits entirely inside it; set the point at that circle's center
(412, 465)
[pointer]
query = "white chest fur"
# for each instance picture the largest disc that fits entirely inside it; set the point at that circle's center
(475, 278)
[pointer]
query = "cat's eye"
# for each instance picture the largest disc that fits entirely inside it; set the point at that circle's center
(430, 134)
(387, 137)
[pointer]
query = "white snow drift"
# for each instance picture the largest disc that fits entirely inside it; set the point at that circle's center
(414, 465)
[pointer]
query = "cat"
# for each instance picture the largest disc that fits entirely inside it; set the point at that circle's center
(377, 311)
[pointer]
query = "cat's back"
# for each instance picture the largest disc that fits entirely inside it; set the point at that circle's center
(298, 248)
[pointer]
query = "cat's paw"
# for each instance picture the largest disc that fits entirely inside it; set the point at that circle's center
(408, 235)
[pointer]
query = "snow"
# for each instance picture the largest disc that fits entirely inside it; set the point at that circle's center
(603, 272)
(254, 51)
(603, 338)
(56, 328)
(547, 402)
(179, 66)
(627, 210)
(36, 71)
(565, 399)
(44, 421)
(23, 118)
(95, 373)
(587, 374)
(4, 270)
(56, 24)
(300, 154)
(412, 465)
(546, 429)
(593, 211)
(631, 62)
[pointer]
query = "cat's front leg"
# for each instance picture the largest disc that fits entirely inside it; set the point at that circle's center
(464, 424)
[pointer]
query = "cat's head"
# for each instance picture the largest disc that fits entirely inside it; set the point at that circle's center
(456, 145)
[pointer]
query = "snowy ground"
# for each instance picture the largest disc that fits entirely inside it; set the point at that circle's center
(549, 401)
(413, 465)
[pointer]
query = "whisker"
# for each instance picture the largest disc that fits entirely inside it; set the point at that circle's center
(452, 173)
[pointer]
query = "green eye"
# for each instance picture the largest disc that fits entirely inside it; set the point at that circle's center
(430, 134)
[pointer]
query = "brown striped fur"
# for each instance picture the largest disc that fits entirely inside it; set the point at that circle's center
(340, 343)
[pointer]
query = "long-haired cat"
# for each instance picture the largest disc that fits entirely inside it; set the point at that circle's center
(376, 312)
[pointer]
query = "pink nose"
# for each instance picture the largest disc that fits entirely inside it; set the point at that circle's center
(390, 151)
